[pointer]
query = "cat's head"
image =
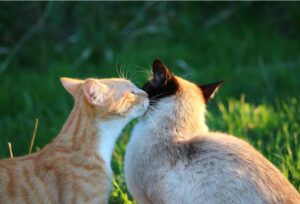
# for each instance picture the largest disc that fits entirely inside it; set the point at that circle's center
(171, 94)
(108, 98)
(164, 83)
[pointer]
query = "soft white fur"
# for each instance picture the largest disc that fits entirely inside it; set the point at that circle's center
(172, 158)
(110, 130)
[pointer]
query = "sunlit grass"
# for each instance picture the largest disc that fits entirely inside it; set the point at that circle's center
(272, 130)
(254, 47)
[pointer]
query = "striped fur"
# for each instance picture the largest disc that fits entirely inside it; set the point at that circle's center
(72, 169)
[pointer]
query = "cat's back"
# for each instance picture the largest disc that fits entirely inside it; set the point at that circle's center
(17, 180)
(220, 168)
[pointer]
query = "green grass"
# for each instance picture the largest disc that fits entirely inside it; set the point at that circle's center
(253, 46)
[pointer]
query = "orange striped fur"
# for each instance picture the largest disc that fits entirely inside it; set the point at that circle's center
(72, 168)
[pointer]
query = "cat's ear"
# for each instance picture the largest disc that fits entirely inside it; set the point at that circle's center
(97, 94)
(71, 85)
(161, 73)
(209, 90)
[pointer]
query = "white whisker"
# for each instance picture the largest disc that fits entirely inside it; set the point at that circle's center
(145, 71)
(158, 95)
(151, 108)
(154, 124)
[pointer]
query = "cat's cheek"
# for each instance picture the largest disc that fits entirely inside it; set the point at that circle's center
(141, 108)
(122, 109)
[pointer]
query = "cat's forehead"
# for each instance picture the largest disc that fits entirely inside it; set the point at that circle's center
(117, 83)
(186, 84)
(175, 86)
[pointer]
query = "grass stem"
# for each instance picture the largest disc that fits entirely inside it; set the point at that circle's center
(33, 135)
(10, 150)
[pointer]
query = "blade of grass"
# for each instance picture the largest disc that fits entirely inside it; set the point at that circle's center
(123, 195)
(33, 135)
(10, 150)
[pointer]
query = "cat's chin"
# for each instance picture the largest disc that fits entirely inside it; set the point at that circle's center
(141, 109)
(141, 112)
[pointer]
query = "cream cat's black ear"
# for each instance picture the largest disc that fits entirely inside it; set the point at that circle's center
(97, 94)
(209, 90)
(71, 85)
(161, 73)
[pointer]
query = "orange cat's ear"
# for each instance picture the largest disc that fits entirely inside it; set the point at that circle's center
(209, 90)
(97, 94)
(71, 85)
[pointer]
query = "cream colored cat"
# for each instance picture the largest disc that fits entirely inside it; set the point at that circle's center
(172, 158)
(75, 167)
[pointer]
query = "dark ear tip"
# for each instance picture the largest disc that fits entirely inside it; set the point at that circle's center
(215, 84)
(221, 82)
(209, 90)
(157, 63)
(158, 66)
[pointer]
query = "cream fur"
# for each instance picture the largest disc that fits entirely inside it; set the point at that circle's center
(110, 130)
(75, 166)
(173, 158)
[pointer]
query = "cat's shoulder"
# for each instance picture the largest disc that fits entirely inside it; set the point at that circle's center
(218, 143)
(217, 138)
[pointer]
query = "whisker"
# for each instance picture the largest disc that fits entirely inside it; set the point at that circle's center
(126, 72)
(133, 77)
(139, 84)
(122, 70)
(148, 75)
(157, 95)
(117, 70)
(154, 124)
(151, 108)
(145, 71)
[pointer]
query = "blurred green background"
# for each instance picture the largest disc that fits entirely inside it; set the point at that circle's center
(254, 46)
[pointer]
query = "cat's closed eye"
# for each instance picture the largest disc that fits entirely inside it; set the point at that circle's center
(133, 92)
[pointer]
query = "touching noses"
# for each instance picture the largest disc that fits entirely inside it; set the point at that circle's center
(143, 98)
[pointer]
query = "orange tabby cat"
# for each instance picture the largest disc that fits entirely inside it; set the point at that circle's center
(75, 167)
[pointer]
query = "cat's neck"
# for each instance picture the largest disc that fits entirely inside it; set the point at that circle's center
(78, 132)
(84, 132)
(109, 132)
(176, 122)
